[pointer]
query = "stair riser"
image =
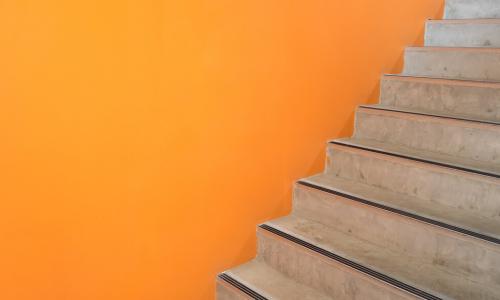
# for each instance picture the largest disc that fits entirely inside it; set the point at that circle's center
(456, 64)
(328, 276)
(475, 260)
(469, 140)
(226, 292)
(462, 34)
(480, 101)
(476, 9)
(470, 192)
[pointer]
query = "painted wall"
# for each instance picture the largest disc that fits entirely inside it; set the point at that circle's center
(143, 140)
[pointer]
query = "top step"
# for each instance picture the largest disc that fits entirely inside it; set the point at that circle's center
(472, 9)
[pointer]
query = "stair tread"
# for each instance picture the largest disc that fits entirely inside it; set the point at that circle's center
(479, 143)
(461, 218)
(227, 291)
(384, 259)
(471, 192)
(424, 155)
(272, 284)
(429, 112)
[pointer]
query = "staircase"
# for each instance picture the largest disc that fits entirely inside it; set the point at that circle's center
(409, 207)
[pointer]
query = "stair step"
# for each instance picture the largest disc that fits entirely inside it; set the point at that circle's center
(438, 159)
(472, 9)
(227, 288)
(463, 33)
(472, 100)
(470, 199)
(258, 280)
(475, 144)
(429, 258)
(432, 213)
(482, 64)
(430, 113)
(327, 272)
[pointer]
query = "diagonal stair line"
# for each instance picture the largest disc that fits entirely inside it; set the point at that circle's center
(240, 286)
(401, 212)
(435, 115)
(354, 265)
(414, 158)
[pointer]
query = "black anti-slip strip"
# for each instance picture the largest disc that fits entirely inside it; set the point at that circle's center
(240, 286)
(441, 164)
(402, 212)
(429, 115)
(352, 264)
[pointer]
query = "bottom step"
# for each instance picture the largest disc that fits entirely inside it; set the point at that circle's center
(286, 269)
(228, 290)
(257, 280)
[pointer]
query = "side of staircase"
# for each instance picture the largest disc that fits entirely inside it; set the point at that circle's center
(409, 206)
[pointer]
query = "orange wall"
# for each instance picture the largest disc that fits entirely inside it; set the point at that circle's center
(143, 140)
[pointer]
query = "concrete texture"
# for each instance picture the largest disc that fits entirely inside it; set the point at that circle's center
(272, 284)
(431, 113)
(463, 99)
(433, 262)
(323, 274)
(473, 142)
(452, 161)
(463, 33)
(442, 212)
(468, 192)
(472, 9)
(454, 63)
(225, 291)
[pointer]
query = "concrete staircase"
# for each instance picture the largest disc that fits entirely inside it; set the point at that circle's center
(409, 207)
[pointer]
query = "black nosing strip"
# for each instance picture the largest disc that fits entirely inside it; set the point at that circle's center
(403, 213)
(240, 286)
(429, 115)
(441, 164)
(352, 264)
